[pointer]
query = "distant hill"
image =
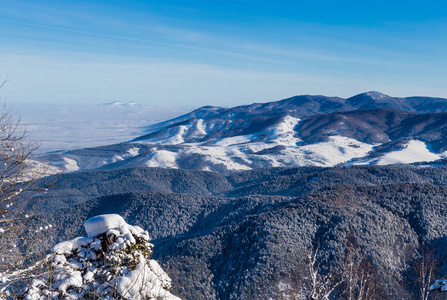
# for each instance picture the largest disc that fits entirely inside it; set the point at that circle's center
(388, 127)
(119, 104)
(369, 128)
(308, 105)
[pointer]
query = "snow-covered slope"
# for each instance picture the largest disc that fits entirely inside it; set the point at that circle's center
(113, 262)
(414, 151)
(291, 132)
(277, 145)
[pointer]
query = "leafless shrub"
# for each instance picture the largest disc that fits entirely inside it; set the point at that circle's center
(361, 281)
(19, 240)
(316, 285)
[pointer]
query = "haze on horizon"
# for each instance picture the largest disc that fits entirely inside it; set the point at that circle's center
(219, 53)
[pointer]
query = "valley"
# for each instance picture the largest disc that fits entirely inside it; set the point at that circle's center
(235, 199)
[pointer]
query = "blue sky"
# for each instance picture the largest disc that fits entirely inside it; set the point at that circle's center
(222, 53)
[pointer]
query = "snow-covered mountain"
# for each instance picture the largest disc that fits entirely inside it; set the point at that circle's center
(370, 128)
(309, 105)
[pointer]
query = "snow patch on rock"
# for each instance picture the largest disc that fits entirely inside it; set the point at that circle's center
(103, 223)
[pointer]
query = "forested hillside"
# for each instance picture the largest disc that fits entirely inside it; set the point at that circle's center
(248, 235)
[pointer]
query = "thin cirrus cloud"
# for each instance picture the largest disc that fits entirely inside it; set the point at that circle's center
(267, 51)
(117, 37)
(194, 54)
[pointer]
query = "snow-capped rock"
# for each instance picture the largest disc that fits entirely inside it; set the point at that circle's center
(113, 262)
(440, 285)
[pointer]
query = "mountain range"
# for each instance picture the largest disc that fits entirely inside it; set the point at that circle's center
(369, 128)
(309, 174)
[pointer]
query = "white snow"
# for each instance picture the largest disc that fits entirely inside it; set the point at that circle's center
(414, 151)
(147, 281)
(103, 223)
(162, 159)
(71, 165)
(114, 104)
(132, 152)
(68, 279)
(439, 285)
(112, 223)
(116, 265)
(177, 137)
(34, 292)
(237, 152)
(230, 157)
(377, 95)
(234, 140)
(200, 127)
(338, 149)
(68, 246)
(276, 146)
(284, 133)
(242, 152)
(37, 169)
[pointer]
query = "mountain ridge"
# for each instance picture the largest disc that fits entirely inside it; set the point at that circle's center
(311, 104)
(369, 128)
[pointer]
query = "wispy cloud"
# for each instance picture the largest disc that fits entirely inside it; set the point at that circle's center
(184, 46)
(105, 79)
(103, 46)
(304, 59)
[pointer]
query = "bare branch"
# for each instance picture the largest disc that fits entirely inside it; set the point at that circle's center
(19, 240)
